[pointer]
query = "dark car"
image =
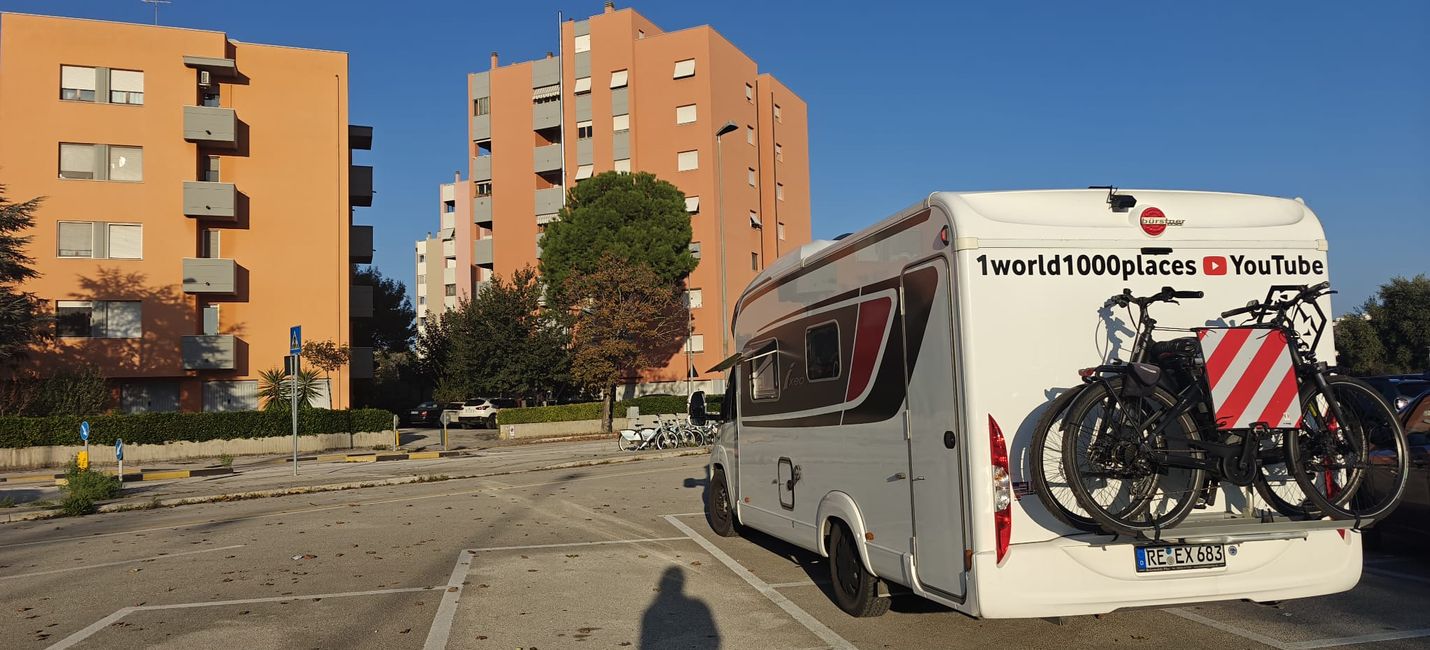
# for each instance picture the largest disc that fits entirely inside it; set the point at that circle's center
(1398, 390)
(1413, 514)
(424, 414)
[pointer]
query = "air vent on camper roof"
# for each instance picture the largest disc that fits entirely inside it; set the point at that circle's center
(1118, 202)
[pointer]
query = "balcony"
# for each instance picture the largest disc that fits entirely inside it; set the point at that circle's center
(359, 137)
(449, 276)
(482, 168)
(210, 125)
(360, 363)
(548, 158)
(360, 244)
(211, 200)
(209, 352)
(482, 211)
(360, 186)
(482, 252)
(482, 127)
(360, 301)
(548, 202)
(546, 115)
(208, 275)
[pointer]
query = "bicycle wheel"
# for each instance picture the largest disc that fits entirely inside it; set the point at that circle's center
(1354, 466)
(1045, 465)
(1119, 474)
(1275, 484)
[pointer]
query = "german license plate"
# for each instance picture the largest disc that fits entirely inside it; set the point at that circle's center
(1182, 556)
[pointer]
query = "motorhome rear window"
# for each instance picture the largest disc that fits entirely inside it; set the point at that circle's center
(764, 371)
(821, 351)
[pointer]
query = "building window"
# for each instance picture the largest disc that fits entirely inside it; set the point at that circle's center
(685, 68)
(449, 290)
(583, 85)
(126, 163)
(448, 207)
(484, 188)
(583, 43)
(687, 160)
(779, 152)
(484, 148)
(546, 94)
(98, 319)
(213, 165)
(77, 160)
(694, 299)
(584, 172)
(763, 371)
(751, 176)
(421, 279)
(621, 123)
(695, 249)
(421, 300)
(778, 115)
(126, 87)
(754, 261)
(692, 204)
(77, 83)
(211, 242)
(821, 352)
(755, 220)
(421, 259)
(780, 191)
(583, 129)
(620, 78)
(623, 165)
(126, 241)
(780, 230)
(696, 343)
(481, 105)
(750, 134)
(749, 93)
(685, 114)
(76, 239)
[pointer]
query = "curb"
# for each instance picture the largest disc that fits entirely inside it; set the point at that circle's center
(155, 475)
(336, 487)
(374, 457)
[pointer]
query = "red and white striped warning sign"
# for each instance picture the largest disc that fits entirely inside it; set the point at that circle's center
(1251, 377)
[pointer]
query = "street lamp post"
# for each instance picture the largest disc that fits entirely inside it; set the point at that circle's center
(729, 127)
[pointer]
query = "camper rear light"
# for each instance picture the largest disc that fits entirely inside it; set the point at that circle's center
(1002, 488)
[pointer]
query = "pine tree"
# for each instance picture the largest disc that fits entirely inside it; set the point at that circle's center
(20, 317)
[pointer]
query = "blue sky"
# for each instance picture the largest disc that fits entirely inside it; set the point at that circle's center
(1328, 101)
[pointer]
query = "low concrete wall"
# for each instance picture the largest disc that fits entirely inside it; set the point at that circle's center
(552, 429)
(139, 454)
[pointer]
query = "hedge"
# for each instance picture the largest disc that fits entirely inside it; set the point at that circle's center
(155, 428)
(652, 405)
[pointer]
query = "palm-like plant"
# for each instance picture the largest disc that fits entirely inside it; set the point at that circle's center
(274, 387)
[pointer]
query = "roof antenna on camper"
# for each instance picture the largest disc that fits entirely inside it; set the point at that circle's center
(1118, 202)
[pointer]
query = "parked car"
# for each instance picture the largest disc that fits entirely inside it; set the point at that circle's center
(1413, 515)
(454, 412)
(480, 411)
(424, 414)
(1398, 390)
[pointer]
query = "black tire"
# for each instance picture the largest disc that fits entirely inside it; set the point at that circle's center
(856, 591)
(1044, 455)
(719, 512)
(1147, 496)
(492, 422)
(1356, 468)
(1275, 484)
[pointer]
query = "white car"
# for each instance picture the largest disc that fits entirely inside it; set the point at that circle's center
(478, 412)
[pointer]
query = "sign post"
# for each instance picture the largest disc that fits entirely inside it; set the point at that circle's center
(295, 347)
(83, 460)
(446, 419)
(119, 453)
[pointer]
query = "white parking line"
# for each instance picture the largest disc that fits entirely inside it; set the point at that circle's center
(799, 615)
(797, 583)
(105, 564)
(614, 541)
(447, 609)
(1352, 640)
(92, 628)
(1330, 642)
(1227, 627)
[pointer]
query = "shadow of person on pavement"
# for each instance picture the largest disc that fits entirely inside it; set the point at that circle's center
(675, 620)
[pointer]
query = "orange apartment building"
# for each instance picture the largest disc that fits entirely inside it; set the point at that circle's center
(198, 196)
(621, 94)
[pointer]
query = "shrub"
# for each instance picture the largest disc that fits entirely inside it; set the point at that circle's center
(83, 487)
(157, 428)
(79, 391)
(649, 405)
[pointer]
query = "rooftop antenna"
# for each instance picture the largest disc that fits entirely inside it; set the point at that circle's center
(156, 4)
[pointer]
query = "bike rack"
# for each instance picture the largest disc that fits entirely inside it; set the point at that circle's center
(1235, 528)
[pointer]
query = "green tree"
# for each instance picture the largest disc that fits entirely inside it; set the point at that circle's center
(326, 355)
(21, 319)
(274, 387)
(1393, 332)
(392, 325)
(504, 342)
(635, 218)
(628, 319)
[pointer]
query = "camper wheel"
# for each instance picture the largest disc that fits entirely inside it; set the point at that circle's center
(856, 591)
(717, 506)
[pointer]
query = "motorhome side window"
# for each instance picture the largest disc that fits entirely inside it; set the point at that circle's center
(763, 371)
(821, 351)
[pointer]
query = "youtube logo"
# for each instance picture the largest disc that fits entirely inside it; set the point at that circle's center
(1214, 265)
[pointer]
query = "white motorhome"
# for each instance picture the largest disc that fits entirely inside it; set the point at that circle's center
(887, 387)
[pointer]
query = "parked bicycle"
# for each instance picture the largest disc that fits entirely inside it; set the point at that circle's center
(1144, 441)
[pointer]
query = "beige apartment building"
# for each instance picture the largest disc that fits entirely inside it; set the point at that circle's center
(619, 93)
(198, 196)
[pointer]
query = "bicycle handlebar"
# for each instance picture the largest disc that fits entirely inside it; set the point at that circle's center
(1167, 294)
(1307, 293)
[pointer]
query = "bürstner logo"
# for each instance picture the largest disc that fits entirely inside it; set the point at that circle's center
(1155, 222)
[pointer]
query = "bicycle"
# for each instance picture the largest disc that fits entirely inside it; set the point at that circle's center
(1135, 452)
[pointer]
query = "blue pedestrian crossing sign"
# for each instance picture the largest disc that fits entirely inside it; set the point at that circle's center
(295, 339)
(84, 431)
(119, 449)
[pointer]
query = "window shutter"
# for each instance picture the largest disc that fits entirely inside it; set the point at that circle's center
(123, 320)
(126, 163)
(692, 204)
(583, 43)
(687, 160)
(621, 123)
(76, 77)
(126, 241)
(76, 160)
(619, 78)
(126, 80)
(583, 85)
(684, 68)
(76, 239)
(623, 165)
(685, 114)
(584, 171)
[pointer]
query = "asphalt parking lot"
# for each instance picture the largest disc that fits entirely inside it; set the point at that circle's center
(610, 556)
